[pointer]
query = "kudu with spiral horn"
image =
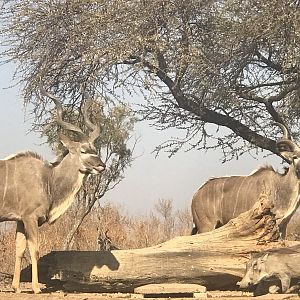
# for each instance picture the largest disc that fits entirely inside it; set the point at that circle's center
(224, 198)
(33, 191)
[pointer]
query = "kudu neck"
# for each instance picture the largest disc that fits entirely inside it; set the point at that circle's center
(65, 183)
(66, 174)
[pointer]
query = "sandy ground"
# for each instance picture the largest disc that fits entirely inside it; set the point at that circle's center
(85, 296)
(6, 293)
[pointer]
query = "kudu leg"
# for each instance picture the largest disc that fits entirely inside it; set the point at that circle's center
(31, 228)
(20, 249)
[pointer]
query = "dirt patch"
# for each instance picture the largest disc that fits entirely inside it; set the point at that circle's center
(6, 293)
(229, 295)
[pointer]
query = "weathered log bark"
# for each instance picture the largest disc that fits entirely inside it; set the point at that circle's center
(214, 259)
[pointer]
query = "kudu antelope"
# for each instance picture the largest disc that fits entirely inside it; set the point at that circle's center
(224, 198)
(33, 191)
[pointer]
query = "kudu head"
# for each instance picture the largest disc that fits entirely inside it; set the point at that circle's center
(289, 149)
(84, 150)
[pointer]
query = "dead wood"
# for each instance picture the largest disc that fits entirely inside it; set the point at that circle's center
(214, 259)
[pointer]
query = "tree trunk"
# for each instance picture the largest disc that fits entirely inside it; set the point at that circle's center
(82, 213)
(214, 259)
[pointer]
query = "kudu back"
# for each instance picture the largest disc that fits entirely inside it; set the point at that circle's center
(224, 198)
(33, 191)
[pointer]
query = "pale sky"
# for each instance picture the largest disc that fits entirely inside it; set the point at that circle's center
(149, 178)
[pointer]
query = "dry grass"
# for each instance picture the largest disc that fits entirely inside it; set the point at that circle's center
(125, 231)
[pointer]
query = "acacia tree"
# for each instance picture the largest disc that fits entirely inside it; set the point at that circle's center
(231, 63)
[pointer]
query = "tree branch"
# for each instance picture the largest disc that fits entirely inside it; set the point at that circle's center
(210, 116)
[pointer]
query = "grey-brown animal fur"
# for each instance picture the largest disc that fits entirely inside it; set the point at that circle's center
(279, 263)
(33, 192)
(221, 199)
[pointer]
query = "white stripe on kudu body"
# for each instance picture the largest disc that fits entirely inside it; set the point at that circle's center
(237, 194)
(61, 208)
(5, 185)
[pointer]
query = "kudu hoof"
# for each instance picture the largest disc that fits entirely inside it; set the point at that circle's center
(36, 290)
(17, 290)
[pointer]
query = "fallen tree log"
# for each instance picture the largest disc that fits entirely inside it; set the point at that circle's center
(214, 259)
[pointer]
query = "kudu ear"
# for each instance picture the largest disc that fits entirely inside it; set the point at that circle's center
(265, 257)
(70, 145)
(286, 150)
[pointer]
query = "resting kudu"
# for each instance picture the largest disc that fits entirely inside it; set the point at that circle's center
(33, 191)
